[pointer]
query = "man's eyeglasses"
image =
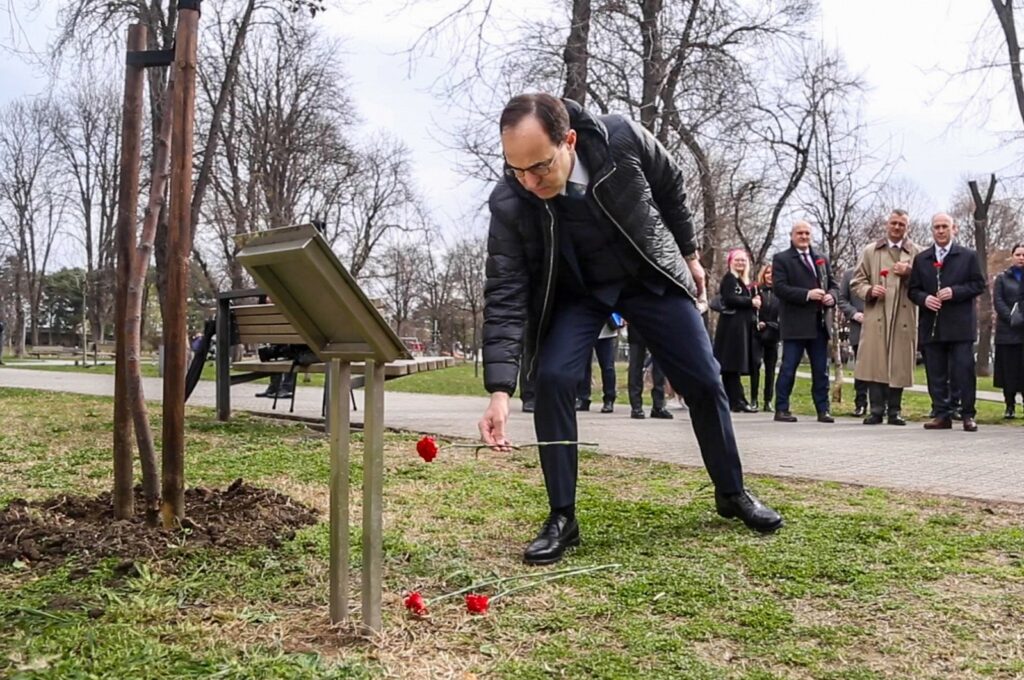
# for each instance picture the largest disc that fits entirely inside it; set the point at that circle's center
(542, 169)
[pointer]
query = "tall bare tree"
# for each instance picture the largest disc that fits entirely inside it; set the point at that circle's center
(31, 207)
(86, 130)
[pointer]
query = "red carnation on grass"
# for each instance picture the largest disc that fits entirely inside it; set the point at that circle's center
(414, 603)
(938, 265)
(820, 262)
(427, 448)
(477, 604)
(884, 273)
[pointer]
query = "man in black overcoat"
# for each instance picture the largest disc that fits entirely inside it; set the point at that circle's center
(944, 281)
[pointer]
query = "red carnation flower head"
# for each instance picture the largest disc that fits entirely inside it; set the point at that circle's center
(884, 273)
(477, 604)
(414, 603)
(938, 265)
(820, 262)
(427, 448)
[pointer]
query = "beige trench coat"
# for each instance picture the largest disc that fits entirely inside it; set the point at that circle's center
(888, 336)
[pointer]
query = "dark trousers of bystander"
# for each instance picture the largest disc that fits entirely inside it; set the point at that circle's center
(950, 369)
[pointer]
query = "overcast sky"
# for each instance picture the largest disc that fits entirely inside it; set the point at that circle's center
(905, 50)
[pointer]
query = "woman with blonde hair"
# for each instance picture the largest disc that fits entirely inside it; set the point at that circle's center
(734, 337)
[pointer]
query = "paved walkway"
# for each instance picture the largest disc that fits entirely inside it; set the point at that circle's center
(988, 464)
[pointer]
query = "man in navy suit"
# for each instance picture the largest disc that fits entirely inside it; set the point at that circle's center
(944, 281)
(807, 292)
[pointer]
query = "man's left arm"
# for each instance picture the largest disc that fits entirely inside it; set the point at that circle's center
(665, 178)
(974, 283)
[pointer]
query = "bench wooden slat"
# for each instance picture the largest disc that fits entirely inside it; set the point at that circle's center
(291, 338)
(267, 329)
(249, 310)
(394, 369)
(262, 320)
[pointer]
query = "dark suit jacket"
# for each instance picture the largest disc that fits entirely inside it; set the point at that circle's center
(850, 303)
(958, 320)
(800, 318)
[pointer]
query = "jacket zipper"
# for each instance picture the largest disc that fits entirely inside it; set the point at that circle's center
(547, 291)
(631, 242)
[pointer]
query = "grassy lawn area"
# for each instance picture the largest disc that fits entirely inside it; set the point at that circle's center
(861, 583)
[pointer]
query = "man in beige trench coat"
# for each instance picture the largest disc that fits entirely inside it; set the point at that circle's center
(888, 341)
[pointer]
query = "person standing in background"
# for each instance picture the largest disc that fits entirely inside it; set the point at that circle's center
(944, 281)
(807, 293)
(1007, 291)
(852, 306)
(766, 340)
(734, 337)
(888, 346)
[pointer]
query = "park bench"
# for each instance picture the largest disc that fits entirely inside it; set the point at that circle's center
(262, 323)
(103, 350)
(40, 351)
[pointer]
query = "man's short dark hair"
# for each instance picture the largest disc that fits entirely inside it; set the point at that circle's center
(901, 212)
(549, 110)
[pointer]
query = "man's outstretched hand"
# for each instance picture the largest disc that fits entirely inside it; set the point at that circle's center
(492, 425)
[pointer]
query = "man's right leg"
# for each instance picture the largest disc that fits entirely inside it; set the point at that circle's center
(792, 352)
(635, 382)
(936, 366)
(560, 361)
(657, 390)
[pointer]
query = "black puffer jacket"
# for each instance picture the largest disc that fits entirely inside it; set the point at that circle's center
(634, 182)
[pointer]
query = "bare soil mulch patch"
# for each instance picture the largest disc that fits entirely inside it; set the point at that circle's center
(46, 533)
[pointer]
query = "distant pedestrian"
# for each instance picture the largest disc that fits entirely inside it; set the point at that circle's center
(888, 343)
(1007, 291)
(944, 281)
(734, 338)
(807, 291)
(767, 338)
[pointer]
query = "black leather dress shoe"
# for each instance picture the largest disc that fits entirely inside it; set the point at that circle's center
(267, 393)
(873, 419)
(558, 533)
(753, 405)
(637, 413)
(608, 407)
(896, 419)
(859, 412)
(529, 406)
(1009, 413)
(582, 405)
(753, 512)
(743, 408)
(662, 413)
(957, 414)
(767, 408)
(784, 417)
(825, 417)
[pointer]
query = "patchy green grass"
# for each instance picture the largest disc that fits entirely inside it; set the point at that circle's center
(861, 583)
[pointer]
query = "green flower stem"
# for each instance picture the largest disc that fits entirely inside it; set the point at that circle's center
(548, 576)
(478, 447)
(552, 577)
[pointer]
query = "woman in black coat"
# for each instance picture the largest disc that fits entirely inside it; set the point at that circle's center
(734, 337)
(1007, 290)
(766, 340)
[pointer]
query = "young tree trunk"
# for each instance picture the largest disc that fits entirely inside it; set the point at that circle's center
(133, 314)
(981, 206)
(127, 204)
(179, 245)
